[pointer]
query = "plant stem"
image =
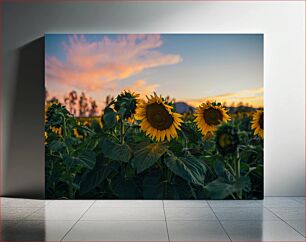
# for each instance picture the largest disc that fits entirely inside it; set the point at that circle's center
(126, 130)
(121, 131)
(186, 140)
(70, 186)
(250, 170)
(229, 167)
(65, 131)
(237, 172)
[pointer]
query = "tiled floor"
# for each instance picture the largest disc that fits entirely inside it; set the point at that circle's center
(274, 219)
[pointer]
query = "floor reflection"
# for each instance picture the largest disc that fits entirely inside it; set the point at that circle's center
(274, 219)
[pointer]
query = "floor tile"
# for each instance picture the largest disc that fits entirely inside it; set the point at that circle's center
(22, 203)
(196, 231)
(128, 204)
(16, 213)
(189, 214)
(298, 225)
(124, 214)
(281, 202)
(185, 203)
(60, 213)
(244, 214)
(300, 200)
(261, 231)
(290, 213)
(118, 231)
(70, 203)
(234, 203)
(39, 230)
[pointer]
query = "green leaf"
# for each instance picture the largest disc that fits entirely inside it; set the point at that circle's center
(152, 186)
(86, 159)
(189, 168)
(114, 151)
(244, 184)
(124, 188)
(69, 161)
(109, 118)
(219, 168)
(178, 189)
(219, 189)
(147, 156)
(93, 178)
(56, 145)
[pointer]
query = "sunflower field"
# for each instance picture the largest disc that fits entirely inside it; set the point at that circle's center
(144, 149)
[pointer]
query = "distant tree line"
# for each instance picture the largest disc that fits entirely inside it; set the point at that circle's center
(79, 104)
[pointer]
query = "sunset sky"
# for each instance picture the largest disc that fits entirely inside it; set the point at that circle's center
(187, 67)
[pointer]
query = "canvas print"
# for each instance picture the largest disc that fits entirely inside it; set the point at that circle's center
(154, 116)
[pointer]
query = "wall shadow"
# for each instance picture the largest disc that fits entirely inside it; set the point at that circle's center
(26, 135)
(28, 230)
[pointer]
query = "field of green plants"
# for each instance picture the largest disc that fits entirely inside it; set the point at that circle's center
(144, 149)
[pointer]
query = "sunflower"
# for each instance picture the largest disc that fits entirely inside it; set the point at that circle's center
(258, 123)
(46, 137)
(227, 139)
(209, 115)
(158, 120)
(76, 133)
(47, 106)
(128, 101)
(57, 131)
(86, 123)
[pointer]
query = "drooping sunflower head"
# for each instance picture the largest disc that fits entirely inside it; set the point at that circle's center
(258, 123)
(227, 139)
(55, 113)
(209, 115)
(127, 100)
(157, 118)
(47, 106)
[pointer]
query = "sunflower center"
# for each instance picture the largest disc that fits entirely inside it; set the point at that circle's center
(158, 116)
(212, 116)
(261, 121)
(224, 140)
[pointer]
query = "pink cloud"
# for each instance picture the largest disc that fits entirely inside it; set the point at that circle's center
(143, 88)
(91, 66)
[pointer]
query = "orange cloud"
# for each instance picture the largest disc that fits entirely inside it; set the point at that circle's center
(253, 97)
(92, 66)
(141, 87)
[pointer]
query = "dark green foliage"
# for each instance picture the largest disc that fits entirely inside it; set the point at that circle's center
(118, 161)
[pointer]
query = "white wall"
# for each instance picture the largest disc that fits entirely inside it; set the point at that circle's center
(283, 25)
